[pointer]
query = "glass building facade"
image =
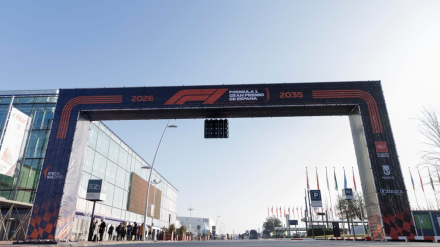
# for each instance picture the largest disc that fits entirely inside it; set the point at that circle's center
(107, 158)
(41, 105)
(110, 159)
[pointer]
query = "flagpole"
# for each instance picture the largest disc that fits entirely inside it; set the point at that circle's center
(414, 188)
(360, 203)
(310, 203)
(432, 184)
(305, 213)
(427, 204)
(328, 188)
(336, 185)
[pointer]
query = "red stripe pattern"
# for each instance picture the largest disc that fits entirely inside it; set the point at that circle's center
(371, 102)
(82, 100)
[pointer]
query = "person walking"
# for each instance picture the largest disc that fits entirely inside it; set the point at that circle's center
(102, 227)
(110, 233)
(129, 231)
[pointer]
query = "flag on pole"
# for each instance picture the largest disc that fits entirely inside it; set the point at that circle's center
(267, 211)
(301, 211)
(412, 180)
(288, 210)
(317, 179)
(281, 214)
(305, 203)
(354, 181)
(272, 209)
(284, 211)
(421, 182)
(345, 180)
(430, 178)
(297, 211)
(277, 212)
(336, 181)
(326, 178)
(307, 175)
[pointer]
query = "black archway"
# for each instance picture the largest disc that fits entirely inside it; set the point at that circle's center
(385, 194)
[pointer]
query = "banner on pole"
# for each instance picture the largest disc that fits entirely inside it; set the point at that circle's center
(13, 142)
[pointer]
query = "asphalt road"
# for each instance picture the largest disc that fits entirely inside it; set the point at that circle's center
(277, 243)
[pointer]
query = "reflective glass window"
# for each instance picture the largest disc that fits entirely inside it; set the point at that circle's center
(103, 143)
(39, 111)
(123, 155)
(40, 99)
(99, 166)
(120, 177)
(88, 163)
(93, 135)
(124, 200)
(26, 100)
(113, 152)
(3, 111)
(84, 182)
(48, 116)
(110, 173)
(118, 197)
(6, 101)
(127, 181)
(110, 194)
(33, 141)
(40, 148)
(52, 100)
(26, 109)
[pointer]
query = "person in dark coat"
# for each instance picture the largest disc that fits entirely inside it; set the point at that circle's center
(101, 229)
(123, 232)
(118, 232)
(134, 230)
(129, 230)
(110, 233)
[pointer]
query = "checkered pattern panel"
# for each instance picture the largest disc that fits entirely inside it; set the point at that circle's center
(398, 223)
(43, 221)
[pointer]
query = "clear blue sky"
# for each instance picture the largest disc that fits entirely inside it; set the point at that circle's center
(67, 44)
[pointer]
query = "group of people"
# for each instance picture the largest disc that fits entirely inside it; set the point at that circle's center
(129, 232)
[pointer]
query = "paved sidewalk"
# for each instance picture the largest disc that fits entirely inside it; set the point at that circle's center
(76, 244)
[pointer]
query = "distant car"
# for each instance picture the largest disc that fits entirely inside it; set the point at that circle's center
(266, 234)
(253, 234)
(223, 237)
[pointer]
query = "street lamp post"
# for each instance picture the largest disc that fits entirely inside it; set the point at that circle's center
(190, 210)
(215, 233)
(154, 204)
(149, 178)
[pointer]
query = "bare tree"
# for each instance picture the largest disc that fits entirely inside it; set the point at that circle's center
(429, 126)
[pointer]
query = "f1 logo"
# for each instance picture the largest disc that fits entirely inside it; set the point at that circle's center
(381, 147)
(208, 96)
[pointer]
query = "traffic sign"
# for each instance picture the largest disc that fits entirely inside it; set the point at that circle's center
(315, 198)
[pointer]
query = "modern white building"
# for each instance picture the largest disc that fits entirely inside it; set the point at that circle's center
(192, 224)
